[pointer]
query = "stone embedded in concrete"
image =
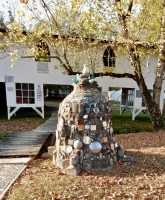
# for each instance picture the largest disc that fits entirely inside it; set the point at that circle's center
(51, 149)
(46, 155)
(54, 157)
(74, 160)
(72, 171)
(115, 159)
(120, 151)
(111, 162)
(66, 164)
(126, 159)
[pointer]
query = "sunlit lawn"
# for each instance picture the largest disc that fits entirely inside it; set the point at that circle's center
(125, 124)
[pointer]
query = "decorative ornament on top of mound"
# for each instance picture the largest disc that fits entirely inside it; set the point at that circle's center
(85, 70)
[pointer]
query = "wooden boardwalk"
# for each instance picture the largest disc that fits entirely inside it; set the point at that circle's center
(23, 143)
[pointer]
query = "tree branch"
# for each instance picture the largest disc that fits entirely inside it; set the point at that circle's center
(39, 57)
(111, 74)
(116, 75)
(130, 6)
(122, 17)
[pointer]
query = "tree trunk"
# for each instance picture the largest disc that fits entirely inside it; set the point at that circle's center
(153, 108)
(161, 62)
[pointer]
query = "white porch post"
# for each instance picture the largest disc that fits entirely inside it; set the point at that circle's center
(11, 113)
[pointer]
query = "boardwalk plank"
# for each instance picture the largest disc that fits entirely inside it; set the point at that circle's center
(14, 142)
(19, 146)
(23, 143)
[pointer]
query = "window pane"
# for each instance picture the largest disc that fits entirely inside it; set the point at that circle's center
(109, 57)
(25, 86)
(18, 85)
(31, 93)
(25, 93)
(25, 100)
(31, 86)
(130, 98)
(18, 93)
(31, 101)
(19, 100)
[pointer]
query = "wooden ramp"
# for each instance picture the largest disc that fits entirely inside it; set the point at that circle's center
(23, 143)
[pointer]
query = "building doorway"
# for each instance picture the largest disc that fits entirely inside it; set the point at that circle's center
(56, 92)
(3, 105)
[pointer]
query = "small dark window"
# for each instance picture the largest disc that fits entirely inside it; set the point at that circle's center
(109, 57)
(138, 94)
(42, 52)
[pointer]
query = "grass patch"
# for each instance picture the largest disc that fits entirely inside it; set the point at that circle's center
(125, 124)
(3, 135)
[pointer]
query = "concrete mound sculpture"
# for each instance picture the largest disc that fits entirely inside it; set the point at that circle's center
(84, 135)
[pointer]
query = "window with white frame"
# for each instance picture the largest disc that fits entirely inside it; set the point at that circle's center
(127, 97)
(25, 93)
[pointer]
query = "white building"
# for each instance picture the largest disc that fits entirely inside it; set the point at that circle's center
(24, 82)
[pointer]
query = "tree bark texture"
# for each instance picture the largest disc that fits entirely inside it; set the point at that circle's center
(161, 62)
(153, 108)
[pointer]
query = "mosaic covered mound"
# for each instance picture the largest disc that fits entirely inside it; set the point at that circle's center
(84, 135)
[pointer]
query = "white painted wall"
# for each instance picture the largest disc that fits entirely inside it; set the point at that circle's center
(11, 95)
(25, 71)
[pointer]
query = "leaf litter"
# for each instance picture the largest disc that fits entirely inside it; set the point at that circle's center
(144, 180)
